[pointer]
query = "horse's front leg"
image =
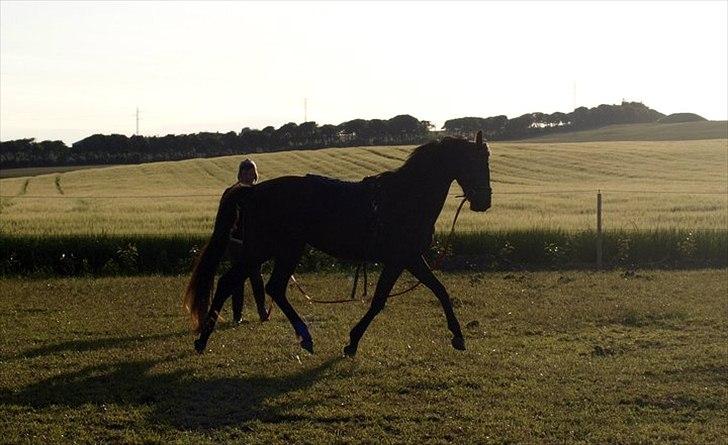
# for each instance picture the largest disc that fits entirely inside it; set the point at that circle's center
(388, 277)
(422, 272)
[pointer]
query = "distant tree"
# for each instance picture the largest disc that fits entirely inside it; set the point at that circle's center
(307, 134)
(285, 134)
(377, 131)
(328, 134)
(519, 126)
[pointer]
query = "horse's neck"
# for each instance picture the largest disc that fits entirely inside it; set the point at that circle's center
(423, 187)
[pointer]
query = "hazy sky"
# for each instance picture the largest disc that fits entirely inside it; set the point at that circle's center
(69, 70)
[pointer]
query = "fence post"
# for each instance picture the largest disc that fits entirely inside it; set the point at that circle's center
(599, 229)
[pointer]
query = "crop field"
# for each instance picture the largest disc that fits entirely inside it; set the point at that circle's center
(647, 185)
(37, 171)
(553, 357)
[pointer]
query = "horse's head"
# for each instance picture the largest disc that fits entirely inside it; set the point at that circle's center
(473, 173)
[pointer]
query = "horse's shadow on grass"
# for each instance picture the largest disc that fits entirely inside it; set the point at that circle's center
(91, 345)
(94, 344)
(177, 398)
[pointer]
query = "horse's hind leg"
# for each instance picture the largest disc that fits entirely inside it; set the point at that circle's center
(226, 286)
(423, 273)
(384, 287)
(276, 288)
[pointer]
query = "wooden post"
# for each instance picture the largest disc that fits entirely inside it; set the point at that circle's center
(599, 229)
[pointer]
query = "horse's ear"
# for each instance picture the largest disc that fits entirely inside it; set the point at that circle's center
(479, 139)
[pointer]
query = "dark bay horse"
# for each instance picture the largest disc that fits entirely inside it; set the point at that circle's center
(387, 218)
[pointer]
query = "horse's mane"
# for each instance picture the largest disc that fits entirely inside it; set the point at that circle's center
(425, 152)
(420, 155)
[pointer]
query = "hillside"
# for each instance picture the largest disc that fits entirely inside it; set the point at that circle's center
(681, 117)
(682, 131)
(181, 197)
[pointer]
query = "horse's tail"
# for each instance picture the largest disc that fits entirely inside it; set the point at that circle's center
(199, 290)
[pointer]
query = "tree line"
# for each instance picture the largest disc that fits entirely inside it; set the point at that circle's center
(120, 149)
(537, 124)
(399, 130)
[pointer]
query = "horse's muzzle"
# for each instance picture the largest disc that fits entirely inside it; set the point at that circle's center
(479, 198)
(479, 206)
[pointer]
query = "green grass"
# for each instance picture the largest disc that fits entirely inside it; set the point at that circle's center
(86, 202)
(553, 358)
(110, 255)
(681, 131)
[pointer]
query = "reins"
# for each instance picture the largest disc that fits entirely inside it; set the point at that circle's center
(363, 265)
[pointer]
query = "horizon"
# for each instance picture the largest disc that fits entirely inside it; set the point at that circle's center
(71, 70)
(435, 129)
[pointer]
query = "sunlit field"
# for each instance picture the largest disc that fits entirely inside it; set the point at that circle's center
(557, 357)
(546, 186)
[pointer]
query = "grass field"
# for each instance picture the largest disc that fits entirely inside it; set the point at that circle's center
(683, 131)
(559, 181)
(37, 171)
(552, 358)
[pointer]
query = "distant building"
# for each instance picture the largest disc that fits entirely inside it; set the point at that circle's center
(345, 136)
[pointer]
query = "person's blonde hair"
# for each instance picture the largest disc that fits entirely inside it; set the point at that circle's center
(248, 167)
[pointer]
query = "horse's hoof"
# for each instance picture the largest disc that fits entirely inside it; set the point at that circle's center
(349, 351)
(307, 345)
(200, 346)
(458, 343)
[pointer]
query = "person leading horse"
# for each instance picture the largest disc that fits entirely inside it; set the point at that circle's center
(387, 218)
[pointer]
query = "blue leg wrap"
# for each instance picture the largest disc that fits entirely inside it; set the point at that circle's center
(302, 330)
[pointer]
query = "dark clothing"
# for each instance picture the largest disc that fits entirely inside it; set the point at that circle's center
(235, 250)
(256, 282)
(237, 230)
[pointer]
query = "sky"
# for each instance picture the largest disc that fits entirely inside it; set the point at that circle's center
(72, 69)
